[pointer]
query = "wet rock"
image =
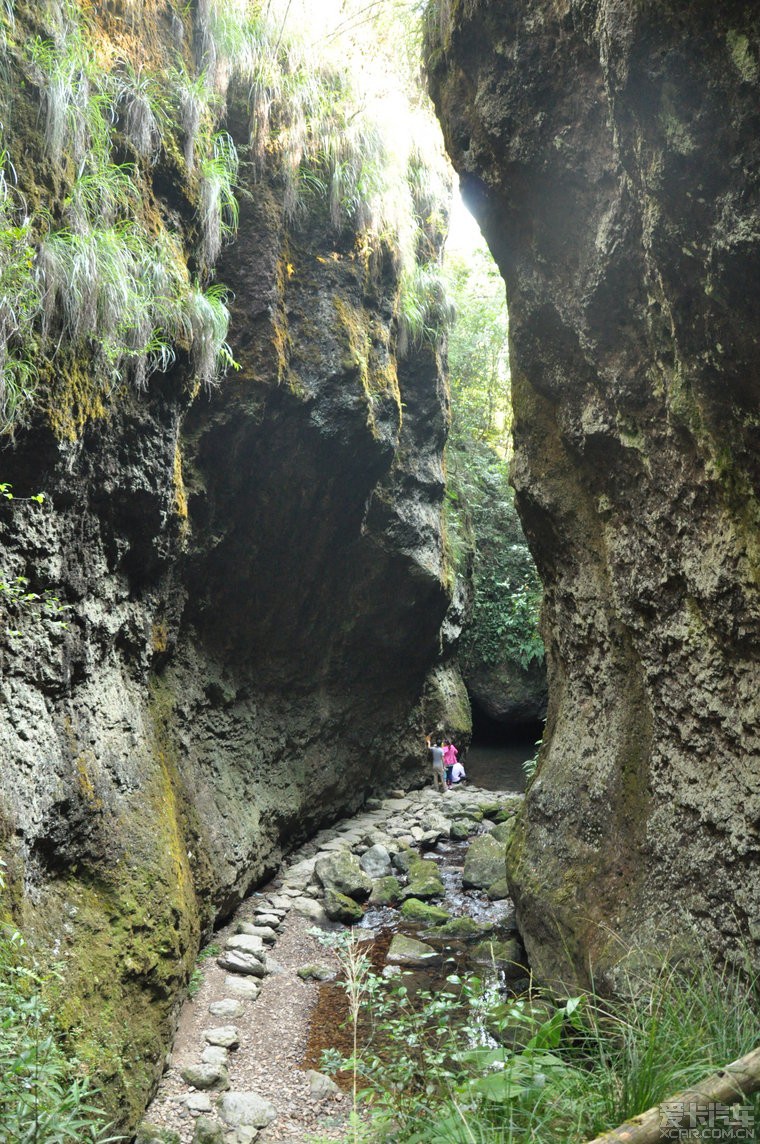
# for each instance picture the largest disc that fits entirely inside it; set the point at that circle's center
(424, 881)
(246, 1109)
(499, 890)
(385, 891)
(208, 1131)
(227, 1008)
(206, 1076)
(416, 911)
(484, 864)
(506, 954)
(225, 1035)
(340, 908)
(341, 872)
(408, 951)
(404, 858)
(462, 929)
(320, 1085)
(376, 862)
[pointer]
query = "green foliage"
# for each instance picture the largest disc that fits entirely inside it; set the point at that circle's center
(45, 1096)
(196, 977)
(218, 204)
(478, 350)
(504, 624)
(548, 1071)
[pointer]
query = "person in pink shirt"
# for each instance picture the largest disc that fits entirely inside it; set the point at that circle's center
(450, 755)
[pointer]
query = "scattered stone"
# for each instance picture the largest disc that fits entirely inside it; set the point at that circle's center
(394, 797)
(462, 929)
(244, 943)
(340, 908)
(408, 951)
(404, 858)
(376, 862)
(315, 973)
(503, 831)
(499, 891)
(198, 1102)
(243, 963)
(385, 891)
(247, 987)
(416, 911)
(268, 920)
(225, 1035)
(266, 933)
(227, 1008)
(272, 966)
(320, 1085)
(374, 804)
(206, 1077)
(246, 1109)
(461, 828)
(208, 1131)
(424, 881)
(342, 872)
(484, 864)
(214, 1055)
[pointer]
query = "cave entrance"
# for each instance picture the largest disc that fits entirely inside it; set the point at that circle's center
(498, 750)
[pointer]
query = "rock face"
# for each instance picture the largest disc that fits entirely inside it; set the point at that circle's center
(610, 151)
(256, 585)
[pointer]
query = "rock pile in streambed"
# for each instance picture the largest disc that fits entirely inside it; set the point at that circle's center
(365, 863)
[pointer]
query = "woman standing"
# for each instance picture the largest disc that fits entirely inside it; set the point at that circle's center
(450, 755)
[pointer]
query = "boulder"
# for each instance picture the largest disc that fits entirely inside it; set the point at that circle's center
(227, 1008)
(247, 964)
(485, 863)
(207, 1131)
(385, 891)
(408, 951)
(376, 862)
(248, 1109)
(225, 1035)
(245, 943)
(320, 1085)
(416, 911)
(340, 908)
(341, 872)
(424, 881)
(206, 1076)
(149, 1133)
(246, 987)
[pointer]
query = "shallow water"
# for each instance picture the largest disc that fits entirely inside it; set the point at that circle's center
(499, 767)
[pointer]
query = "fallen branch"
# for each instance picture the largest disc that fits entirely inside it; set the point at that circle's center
(740, 1078)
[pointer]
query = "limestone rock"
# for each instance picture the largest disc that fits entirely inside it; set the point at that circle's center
(315, 973)
(416, 911)
(408, 951)
(340, 908)
(376, 862)
(267, 934)
(484, 864)
(385, 891)
(243, 963)
(206, 1076)
(227, 1008)
(215, 1055)
(424, 881)
(208, 1131)
(148, 1133)
(245, 943)
(341, 872)
(245, 987)
(320, 1085)
(246, 1109)
(225, 1035)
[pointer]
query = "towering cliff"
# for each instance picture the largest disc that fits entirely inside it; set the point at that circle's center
(253, 569)
(610, 151)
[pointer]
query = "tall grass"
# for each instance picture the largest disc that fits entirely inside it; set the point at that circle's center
(554, 1072)
(218, 211)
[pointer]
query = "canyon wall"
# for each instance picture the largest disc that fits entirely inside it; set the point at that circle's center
(609, 150)
(258, 613)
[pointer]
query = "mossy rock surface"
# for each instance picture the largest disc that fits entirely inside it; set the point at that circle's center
(416, 911)
(506, 954)
(424, 881)
(503, 831)
(462, 929)
(385, 891)
(484, 864)
(149, 1133)
(499, 890)
(340, 908)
